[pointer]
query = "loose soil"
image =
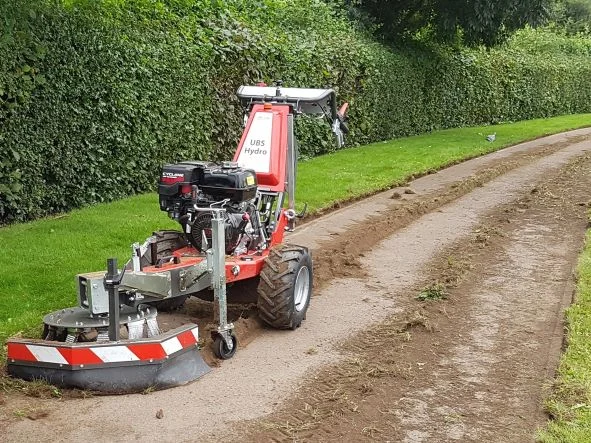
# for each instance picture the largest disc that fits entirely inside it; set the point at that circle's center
(495, 237)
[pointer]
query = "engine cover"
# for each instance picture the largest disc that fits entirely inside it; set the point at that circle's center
(229, 181)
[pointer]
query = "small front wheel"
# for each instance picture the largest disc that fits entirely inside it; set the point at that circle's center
(220, 348)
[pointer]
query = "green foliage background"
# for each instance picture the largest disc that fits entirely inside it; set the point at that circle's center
(95, 95)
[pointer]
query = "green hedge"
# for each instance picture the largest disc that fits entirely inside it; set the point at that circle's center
(96, 94)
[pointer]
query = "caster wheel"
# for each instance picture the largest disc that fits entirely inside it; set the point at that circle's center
(220, 349)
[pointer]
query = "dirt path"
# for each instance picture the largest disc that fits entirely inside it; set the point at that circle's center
(472, 367)
(371, 362)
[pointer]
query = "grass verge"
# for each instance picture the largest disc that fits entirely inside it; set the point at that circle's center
(357, 172)
(570, 403)
(41, 258)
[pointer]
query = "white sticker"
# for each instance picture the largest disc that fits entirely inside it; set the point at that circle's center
(172, 345)
(256, 150)
(47, 354)
(114, 354)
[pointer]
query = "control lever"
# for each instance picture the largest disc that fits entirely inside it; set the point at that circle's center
(303, 213)
(339, 125)
(278, 83)
(342, 116)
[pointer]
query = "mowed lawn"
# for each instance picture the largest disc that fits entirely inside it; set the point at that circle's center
(41, 258)
(357, 172)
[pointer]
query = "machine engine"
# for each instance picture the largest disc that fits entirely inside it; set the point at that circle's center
(187, 190)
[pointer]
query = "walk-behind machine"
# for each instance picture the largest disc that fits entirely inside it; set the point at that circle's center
(233, 217)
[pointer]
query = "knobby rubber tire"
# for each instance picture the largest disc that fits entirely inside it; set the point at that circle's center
(276, 295)
(170, 304)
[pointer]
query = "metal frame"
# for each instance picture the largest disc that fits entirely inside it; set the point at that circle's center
(112, 280)
(299, 101)
(216, 259)
(305, 100)
(292, 161)
(302, 100)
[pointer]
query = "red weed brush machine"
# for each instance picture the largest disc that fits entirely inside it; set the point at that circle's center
(233, 217)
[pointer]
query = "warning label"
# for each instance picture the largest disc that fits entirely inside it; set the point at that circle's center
(256, 151)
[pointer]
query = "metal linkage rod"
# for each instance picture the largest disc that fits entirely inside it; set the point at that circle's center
(112, 285)
(218, 256)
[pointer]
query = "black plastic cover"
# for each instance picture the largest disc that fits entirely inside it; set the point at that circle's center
(233, 183)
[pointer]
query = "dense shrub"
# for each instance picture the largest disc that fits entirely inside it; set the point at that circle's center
(96, 94)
